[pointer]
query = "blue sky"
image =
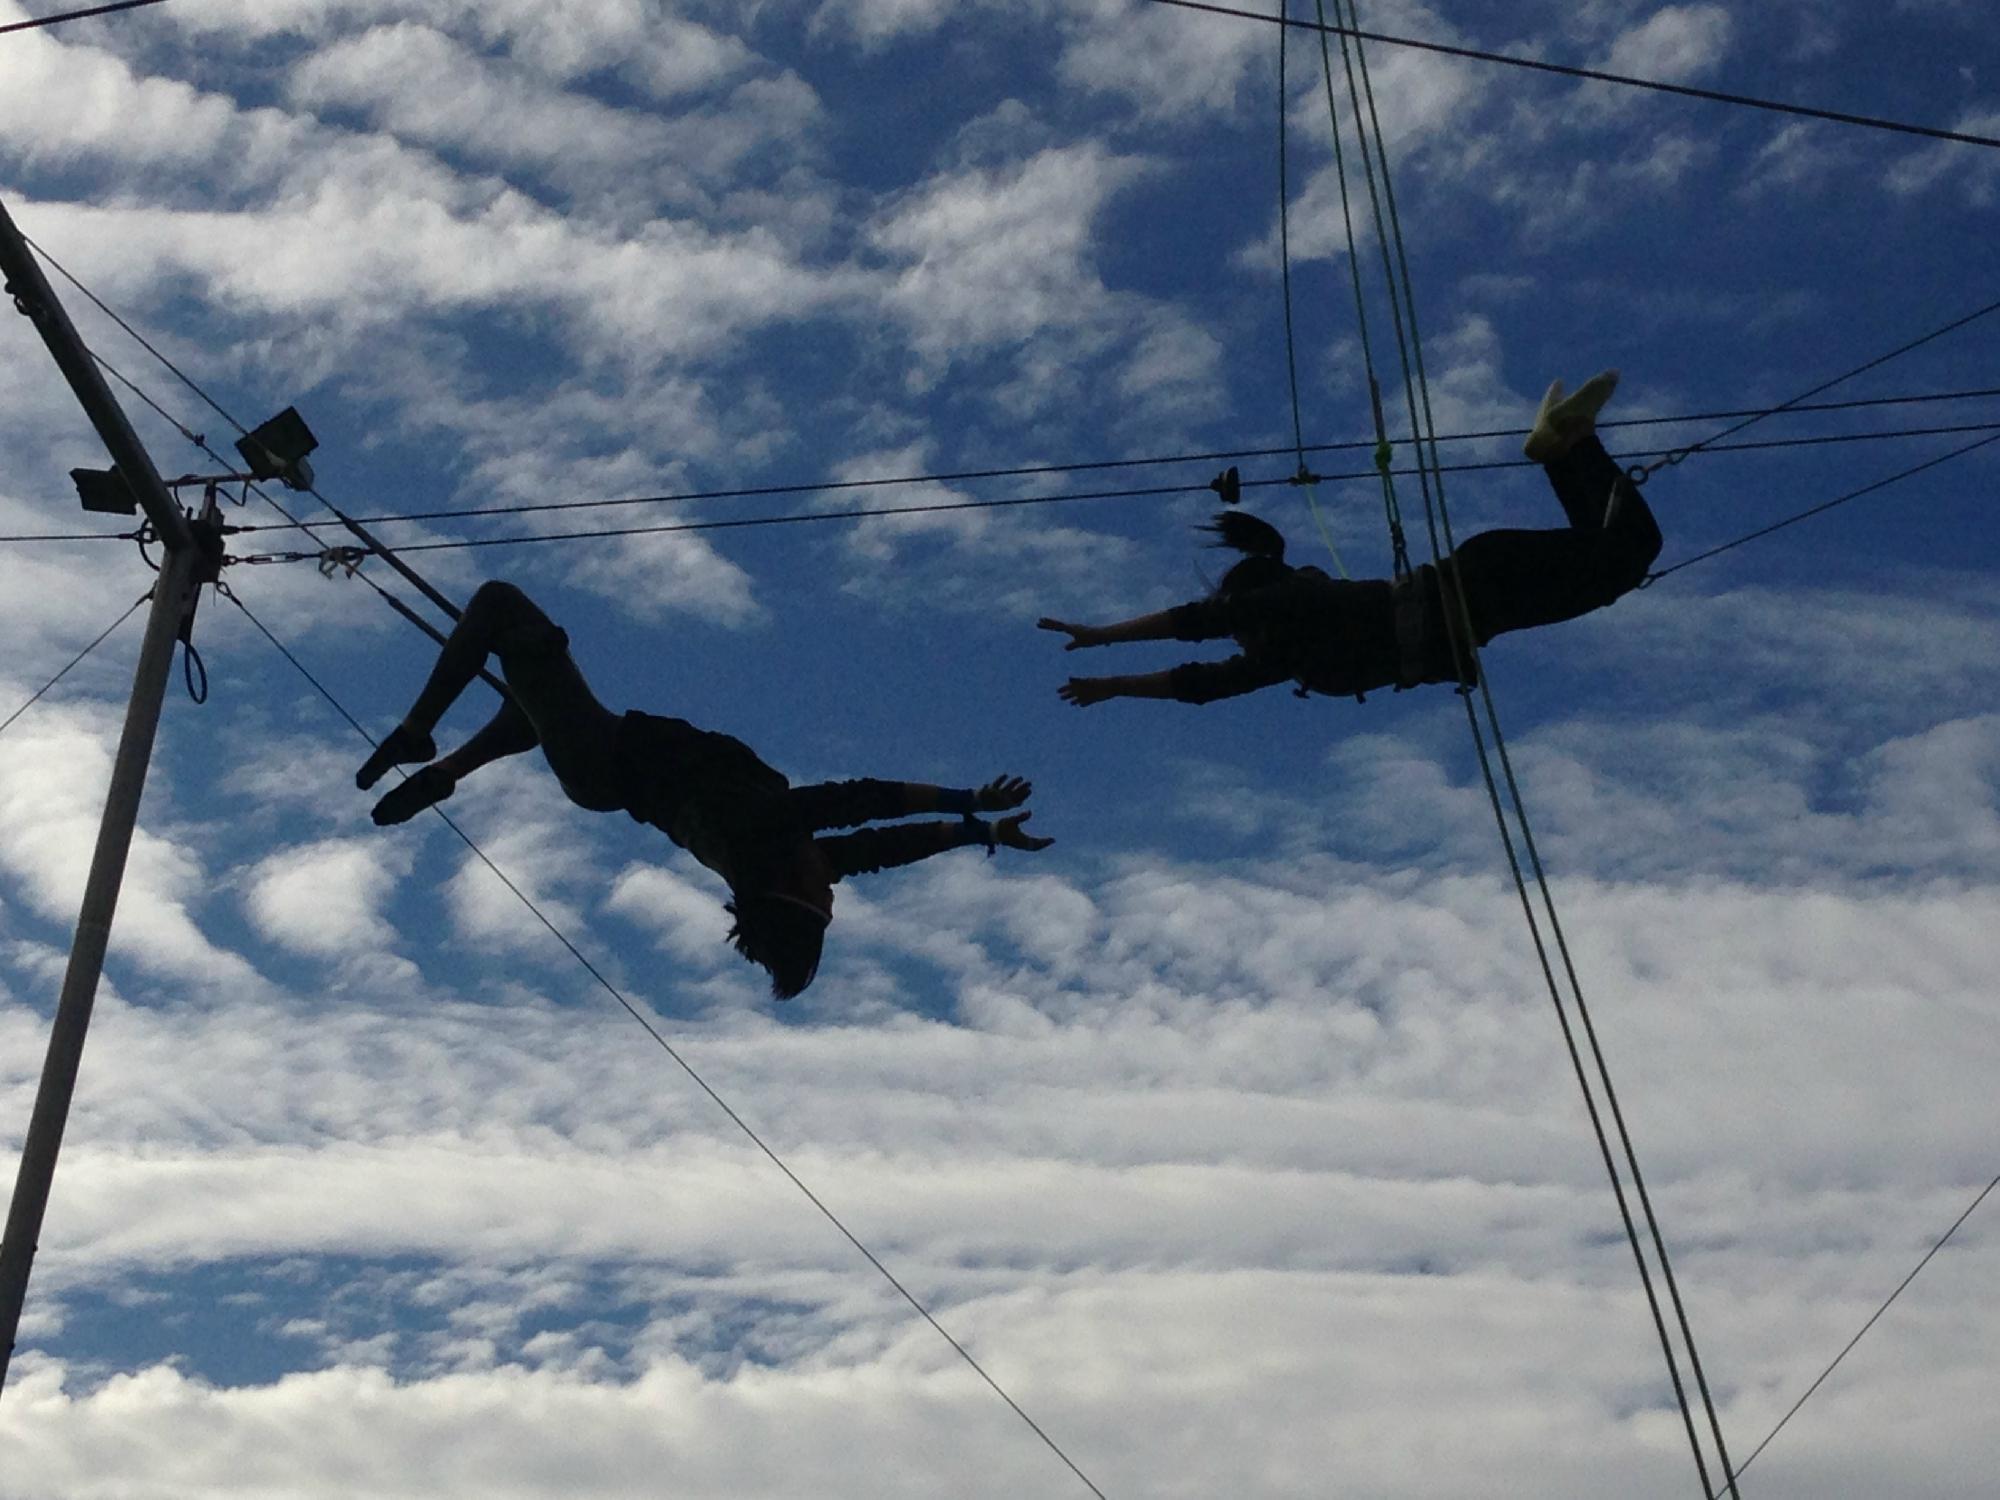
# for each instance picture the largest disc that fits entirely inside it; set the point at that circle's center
(1233, 1134)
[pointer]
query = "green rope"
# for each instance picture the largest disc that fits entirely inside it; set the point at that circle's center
(1384, 450)
(1459, 623)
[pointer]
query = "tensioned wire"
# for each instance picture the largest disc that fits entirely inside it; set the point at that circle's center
(838, 486)
(805, 518)
(686, 1067)
(1873, 1318)
(1458, 620)
(1597, 75)
(1305, 478)
(35, 23)
(36, 696)
(1797, 404)
(1818, 440)
(1384, 453)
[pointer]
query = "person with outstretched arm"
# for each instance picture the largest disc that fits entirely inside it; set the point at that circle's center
(708, 792)
(1348, 637)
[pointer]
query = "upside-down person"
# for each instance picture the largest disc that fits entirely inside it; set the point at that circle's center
(707, 792)
(1344, 637)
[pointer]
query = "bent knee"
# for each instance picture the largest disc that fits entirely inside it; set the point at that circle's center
(501, 599)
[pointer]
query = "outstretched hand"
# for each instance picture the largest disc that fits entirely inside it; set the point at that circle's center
(1079, 635)
(1003, 792)
(1009, 831)
(1084, 691)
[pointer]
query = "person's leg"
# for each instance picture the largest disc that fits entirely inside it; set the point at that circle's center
(551, 705)
(496, 609)
(1517, 579)
(508, 732)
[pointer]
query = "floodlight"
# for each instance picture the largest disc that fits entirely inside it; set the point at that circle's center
(105, 491)
(278, 449)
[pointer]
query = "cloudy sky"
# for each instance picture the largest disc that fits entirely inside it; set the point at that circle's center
(1234, 1135)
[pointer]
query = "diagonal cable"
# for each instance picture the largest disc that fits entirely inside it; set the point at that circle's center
(1821, 508)
(36, 696)
(35, 23)
(1873, 1318)
(688, 1068)
(1459, 624)
(1598, 75)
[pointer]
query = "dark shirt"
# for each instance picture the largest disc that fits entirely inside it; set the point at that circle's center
(1340, 637)
(712, 795)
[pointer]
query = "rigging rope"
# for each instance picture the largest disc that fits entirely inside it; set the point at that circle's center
(830, 486)
(1873, 1318)
(1597, 75)
(1459, 625)
(1641, 474)
(1016, 501)
(1304, 478)
(686, 1067)
(1384, 452)
(37, 22)
(1820, 509)
(105, 635)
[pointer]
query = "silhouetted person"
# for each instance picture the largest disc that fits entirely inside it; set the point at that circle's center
(1344, 637)
(707, 792)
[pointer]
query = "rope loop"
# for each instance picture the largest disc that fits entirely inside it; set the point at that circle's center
(191, 663)
(144, 536)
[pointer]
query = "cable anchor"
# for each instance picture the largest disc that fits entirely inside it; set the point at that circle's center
(1640, 473)
(346, 560)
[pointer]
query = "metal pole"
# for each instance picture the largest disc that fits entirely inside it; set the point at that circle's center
(32, 293)
(93, 933)
(171, 598)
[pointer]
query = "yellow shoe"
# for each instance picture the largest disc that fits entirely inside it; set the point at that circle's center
(1562, 419)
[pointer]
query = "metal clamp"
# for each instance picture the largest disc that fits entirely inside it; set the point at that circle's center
(342, 559)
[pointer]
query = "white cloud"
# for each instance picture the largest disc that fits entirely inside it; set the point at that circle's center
(1947, 162)
(1674, 44)
(326, 898)
(991, 258)
(519, 118)
(55, 768)
(685, 916)
(1173, 68)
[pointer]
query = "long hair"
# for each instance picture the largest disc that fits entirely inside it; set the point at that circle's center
(783, 937)
(1262, 546)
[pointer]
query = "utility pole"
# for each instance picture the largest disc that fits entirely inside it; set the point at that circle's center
(173, 596)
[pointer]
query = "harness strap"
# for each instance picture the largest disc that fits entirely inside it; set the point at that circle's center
(1423, 647)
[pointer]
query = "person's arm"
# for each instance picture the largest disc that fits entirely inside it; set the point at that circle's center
(1192, 682)
(875, 849)
(1200, 621)
(842, 804)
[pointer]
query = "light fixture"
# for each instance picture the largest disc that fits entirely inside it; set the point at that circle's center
(278, 449)
(105, 491)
